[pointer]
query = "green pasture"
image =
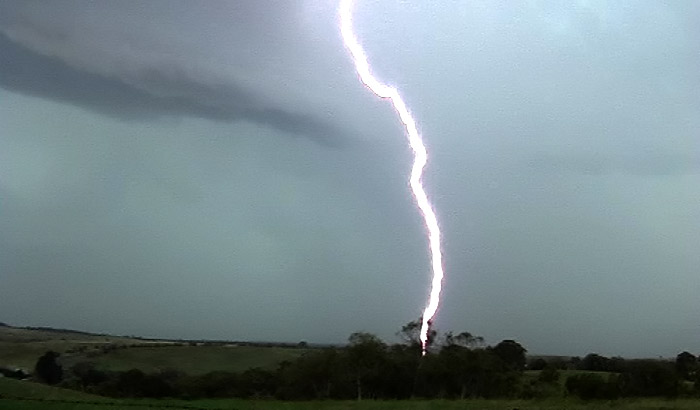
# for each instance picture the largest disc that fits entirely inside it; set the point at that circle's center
(23, 347)
(25, 395)
(195, 359)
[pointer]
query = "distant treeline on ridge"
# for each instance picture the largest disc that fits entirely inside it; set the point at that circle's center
(458, 366)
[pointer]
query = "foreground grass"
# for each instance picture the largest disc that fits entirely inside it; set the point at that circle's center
(26, 389)
(23, 395)
(646, 404)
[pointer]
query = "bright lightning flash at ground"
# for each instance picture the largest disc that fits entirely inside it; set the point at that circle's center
(421, 157)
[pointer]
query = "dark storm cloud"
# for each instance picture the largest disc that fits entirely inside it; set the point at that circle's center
(563, 166)
(157, 91)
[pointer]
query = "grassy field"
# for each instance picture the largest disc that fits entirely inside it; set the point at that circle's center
(20, 388)
(196, 359)
(17, 334)
(365, 405)
(22, 347)
(40, 397)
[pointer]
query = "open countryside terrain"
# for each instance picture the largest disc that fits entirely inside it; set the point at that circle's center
(21, 347)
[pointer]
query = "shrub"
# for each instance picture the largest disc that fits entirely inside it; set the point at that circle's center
(589, 386)
(47, 369)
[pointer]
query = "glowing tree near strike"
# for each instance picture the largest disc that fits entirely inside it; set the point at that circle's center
(420, 159)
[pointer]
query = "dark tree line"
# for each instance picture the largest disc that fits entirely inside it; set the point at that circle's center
(367, 368)
(459, 366)
(617, 377)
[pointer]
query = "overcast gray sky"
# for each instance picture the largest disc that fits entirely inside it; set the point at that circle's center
(194, 169)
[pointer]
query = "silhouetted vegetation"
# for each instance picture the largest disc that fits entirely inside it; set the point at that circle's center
(457, 367)
(593, 386)
(687, 366)
(47, 368)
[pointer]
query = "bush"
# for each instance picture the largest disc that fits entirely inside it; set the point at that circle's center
(47, 369)
(87, 375)
(537, 364)
(650, 378)
(590, 386)
(549, 375)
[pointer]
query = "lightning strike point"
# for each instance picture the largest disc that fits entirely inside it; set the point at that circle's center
(415, 140)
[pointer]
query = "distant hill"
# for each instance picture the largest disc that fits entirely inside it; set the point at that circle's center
(20, 347)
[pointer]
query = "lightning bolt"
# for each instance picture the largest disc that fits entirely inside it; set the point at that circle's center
(420, 159)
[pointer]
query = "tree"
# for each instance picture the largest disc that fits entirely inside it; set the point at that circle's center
(401, 373)
(464, 339)
(537, 364)
(256, 383)
(87, 375)
(410, 333)
(589, 386)
(130, 382)
(458, 368)
(47, 368)
(313, 375)
(212, 384)
(511, 353)
(595, 362)
(366, 354)
(686, 365)
(546, 384)
(649, 378)
(549, 374)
